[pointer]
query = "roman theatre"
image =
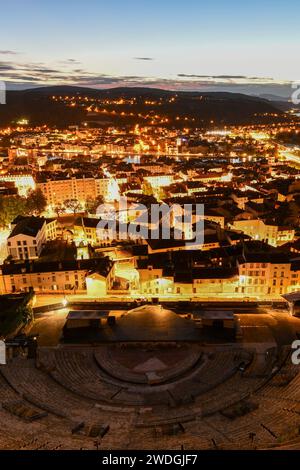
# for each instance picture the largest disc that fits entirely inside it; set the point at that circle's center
(153, 377)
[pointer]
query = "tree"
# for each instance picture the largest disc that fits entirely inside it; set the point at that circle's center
(36, 202)
(59, 209)
(92, 204)
(73, 205)
(10, 208)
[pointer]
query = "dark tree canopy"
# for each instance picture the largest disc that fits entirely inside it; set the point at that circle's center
(10, 208)
(36, 202)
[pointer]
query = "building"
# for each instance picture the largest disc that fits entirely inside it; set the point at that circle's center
(159, 180)
(57, 276)
(23, 182)
(88, 232)
(27, 238)
(268, 232)
(264, 275)
(57, 191)
(8, 188)
(242, 197)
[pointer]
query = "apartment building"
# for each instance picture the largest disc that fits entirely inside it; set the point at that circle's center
(57, 191)
(65, 277)
(27, 238)
(271, 233)
(256, 275)
(29, 235)
(264, 275)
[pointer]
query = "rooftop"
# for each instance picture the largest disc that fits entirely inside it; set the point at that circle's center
(29, 226)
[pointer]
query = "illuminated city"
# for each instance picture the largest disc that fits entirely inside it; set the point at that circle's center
(149, 255)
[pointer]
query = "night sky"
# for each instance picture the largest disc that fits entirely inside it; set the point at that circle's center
(187, 44)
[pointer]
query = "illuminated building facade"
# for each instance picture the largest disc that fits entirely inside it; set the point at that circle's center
(80, 189)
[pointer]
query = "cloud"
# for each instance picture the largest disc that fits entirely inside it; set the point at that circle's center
(69, 62)
(44, 70)
(8, 52)
(143, 58)
(38, 73)
(227, 78)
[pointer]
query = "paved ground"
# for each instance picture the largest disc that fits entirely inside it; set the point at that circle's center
(152, 323)
(258, 326)
(281, 325)
(43, 300)
(49, 326)
(49, 299)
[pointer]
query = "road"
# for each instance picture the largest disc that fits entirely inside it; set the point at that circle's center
(290, 155)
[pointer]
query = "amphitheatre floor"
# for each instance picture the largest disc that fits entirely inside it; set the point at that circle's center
(277, 323)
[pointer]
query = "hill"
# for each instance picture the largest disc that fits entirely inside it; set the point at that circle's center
(65, 105)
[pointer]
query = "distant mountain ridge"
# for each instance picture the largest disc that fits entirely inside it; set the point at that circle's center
(200, 108)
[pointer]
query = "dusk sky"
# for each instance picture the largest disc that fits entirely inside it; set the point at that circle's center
(176, 44)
